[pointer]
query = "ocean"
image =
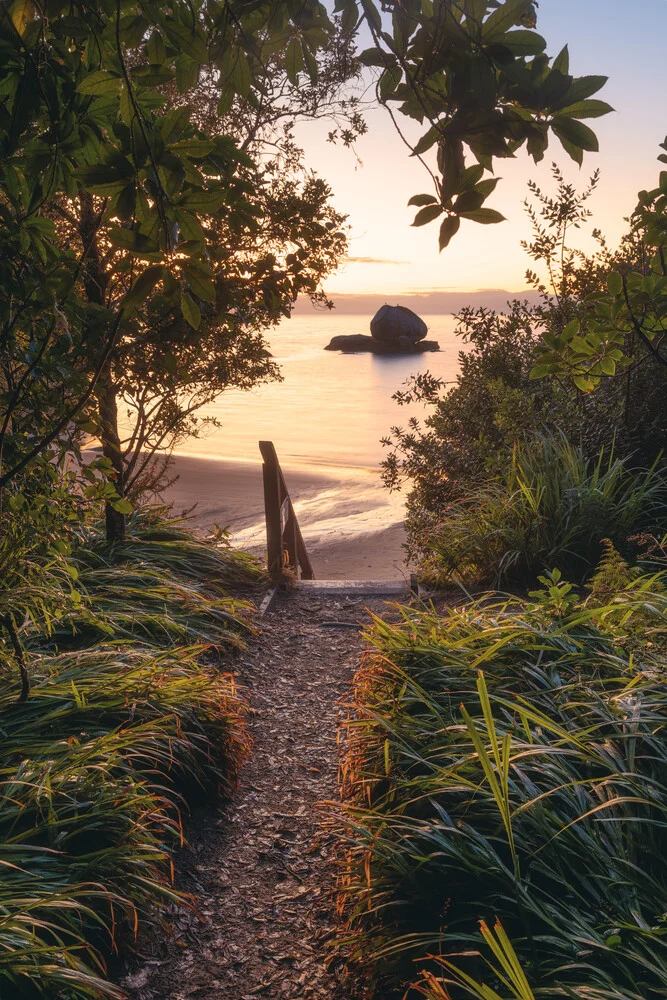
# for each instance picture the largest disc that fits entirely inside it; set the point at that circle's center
(332, 409)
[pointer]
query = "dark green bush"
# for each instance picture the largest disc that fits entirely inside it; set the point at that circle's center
(508, 762)
(551, 507)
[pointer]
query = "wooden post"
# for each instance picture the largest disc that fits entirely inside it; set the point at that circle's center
(272, 510)
(283, 535)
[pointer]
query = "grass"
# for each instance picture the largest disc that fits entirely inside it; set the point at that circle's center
(552, 507)
(506, 802)
(131, 719)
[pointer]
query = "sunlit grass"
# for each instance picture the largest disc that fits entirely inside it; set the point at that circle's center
(509, 762)
(131, 718)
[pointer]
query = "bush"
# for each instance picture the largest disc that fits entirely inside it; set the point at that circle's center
(472, 427)
(508, 762)
(551, 507)
(128, 721)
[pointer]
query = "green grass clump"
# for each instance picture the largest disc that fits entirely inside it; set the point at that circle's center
(130, 719)
(551, 507)
(507, 768)
(155, 541)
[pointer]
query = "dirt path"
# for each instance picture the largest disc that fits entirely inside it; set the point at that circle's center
(261, 870)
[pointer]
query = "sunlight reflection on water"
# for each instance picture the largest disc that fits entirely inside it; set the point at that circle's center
(331, 409)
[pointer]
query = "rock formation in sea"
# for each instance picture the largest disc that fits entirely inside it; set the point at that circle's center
(394, 330)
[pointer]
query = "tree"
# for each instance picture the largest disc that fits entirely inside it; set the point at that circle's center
(622, 333)
(476, 73)
(91, 135)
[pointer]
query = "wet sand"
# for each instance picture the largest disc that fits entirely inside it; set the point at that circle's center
(352, 525)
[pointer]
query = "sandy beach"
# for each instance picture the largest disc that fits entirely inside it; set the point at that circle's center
(352, 526)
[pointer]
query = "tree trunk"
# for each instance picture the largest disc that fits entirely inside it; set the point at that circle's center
(108, 410)
(96, 281)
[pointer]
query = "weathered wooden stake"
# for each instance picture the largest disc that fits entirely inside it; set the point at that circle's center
(284, 541)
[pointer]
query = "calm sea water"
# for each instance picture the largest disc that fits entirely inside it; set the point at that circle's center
(332, 409)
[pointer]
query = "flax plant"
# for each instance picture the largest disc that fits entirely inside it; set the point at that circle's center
(507, 762)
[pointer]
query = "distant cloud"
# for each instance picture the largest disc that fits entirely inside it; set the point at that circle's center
(374, 260)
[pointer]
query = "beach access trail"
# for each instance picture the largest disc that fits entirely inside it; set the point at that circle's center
(261, 868)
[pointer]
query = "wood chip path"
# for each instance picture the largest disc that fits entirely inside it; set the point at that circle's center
(260, 868)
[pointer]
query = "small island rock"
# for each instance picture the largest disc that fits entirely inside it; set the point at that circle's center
(356, 343)
(393, 323)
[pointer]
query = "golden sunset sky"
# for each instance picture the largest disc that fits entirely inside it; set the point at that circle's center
(626, 41)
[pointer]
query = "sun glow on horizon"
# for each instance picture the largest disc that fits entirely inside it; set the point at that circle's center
(387, 256)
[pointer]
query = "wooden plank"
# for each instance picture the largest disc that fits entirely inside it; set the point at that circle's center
(267, 601)
(274, 544)
(378, 588)
(285, 509)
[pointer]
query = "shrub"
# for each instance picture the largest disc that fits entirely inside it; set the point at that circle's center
(508, 761)
(551, 507)
(129, 720)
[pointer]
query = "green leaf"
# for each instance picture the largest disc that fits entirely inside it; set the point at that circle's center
(372, 14)
(294, 61)
(581, 346)
(144, 285)
(422, 199)
(506, 16)
(187, 73)
(190, 43)
(427, 215)
(427, 140)
(582, 87)
(241, 75)
(122, 506)
(448, 230)
(190, 310)
(584, 383)
(522, 42)
(562, 61)
(130, 239)
(571, 330)
(586, 109)
(155, 49)
(200, 283)
(614, 283)
(100, 83)
(575, 133)
(485, 216)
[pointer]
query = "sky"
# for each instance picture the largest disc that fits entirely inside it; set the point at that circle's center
(621, 40)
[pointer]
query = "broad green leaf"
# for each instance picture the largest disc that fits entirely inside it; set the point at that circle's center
(144, 284)
(201, 284)
(294, 60)
(586, 109)
(427, 214)
(429, 139)
(582, 88)
(372, 14)
(522, 42)
(615, 283)
(575, 133)
(122, 506)
(485, 216)
(501, 20)
(422, 199)
(100, 83)
(562, 61)
(586, 384)
(155, 48)
(190, 310)
(187, 73)
(190, 43)
(448, 230)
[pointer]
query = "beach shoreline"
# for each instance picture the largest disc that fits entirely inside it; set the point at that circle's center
(352, 526)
